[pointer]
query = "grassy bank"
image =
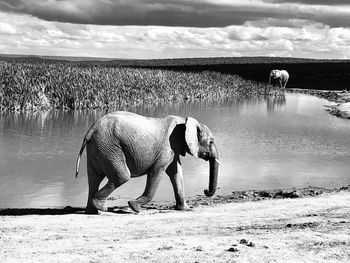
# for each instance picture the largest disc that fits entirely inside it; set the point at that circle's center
(322, 74)
(52, 84)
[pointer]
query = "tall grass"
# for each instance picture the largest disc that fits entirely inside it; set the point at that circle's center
(32, 86)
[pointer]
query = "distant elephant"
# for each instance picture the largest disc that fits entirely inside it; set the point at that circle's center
(122, 145)
(281, 75)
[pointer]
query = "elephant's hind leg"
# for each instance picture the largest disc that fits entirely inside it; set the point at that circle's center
(94, 180)
(153, 180)
(281, 83)
(100, 198)
(117, 173)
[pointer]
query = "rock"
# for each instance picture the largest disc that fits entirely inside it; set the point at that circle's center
(232, 249)
(265, 194)
(303, 225)
(278, 194)
(165, 247)
(345, 187)
(293, 194)
(199, 248)
(310, 215)
(287, 194)
(243, 241)
(250, 244)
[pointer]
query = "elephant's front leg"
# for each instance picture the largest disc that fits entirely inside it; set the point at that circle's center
(176, 176)
(153, 180)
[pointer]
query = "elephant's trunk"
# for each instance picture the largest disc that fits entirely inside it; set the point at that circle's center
(213, 171)
(269, 79)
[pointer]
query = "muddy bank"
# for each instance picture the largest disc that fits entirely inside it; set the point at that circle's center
(337, 96)
(251, 196)
(258, 195)
(340, 100)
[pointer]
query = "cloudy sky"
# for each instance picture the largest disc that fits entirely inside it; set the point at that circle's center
(176, 28)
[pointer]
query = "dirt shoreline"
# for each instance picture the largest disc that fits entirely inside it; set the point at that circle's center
(337, 96)
(308, 224)
(192, 201)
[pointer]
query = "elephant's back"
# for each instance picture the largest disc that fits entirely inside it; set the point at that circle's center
(124, 125)
(285, 73)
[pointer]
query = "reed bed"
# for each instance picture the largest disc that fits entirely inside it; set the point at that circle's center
(47, 85)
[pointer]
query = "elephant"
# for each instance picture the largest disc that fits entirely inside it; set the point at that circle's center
(281, 75)
(122, 145)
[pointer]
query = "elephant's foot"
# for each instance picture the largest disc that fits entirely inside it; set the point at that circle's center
(134, 205)
(99, 204)
(91, 211)
(182, 207)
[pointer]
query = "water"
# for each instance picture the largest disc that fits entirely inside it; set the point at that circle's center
(268, 143)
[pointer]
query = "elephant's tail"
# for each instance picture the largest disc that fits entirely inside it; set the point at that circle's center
(78, 159)
(85, 141)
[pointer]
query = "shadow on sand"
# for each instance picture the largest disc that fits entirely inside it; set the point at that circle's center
(40, 211)
(70, 210)
(55, 211)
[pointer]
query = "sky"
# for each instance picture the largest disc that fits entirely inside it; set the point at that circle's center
(153, 29)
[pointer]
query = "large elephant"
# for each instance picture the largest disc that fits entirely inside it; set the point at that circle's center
(122, 145)
(281, 76)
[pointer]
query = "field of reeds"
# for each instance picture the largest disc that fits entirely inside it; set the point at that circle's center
(52, 84)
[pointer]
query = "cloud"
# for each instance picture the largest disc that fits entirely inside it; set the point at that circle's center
(7, 29)
(267, 37)
(312, 2)
(274, 22)
(131, 12)
(185, 13)
(207, 28)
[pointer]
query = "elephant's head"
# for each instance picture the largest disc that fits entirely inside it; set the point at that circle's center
(200, 142)
(274, 74)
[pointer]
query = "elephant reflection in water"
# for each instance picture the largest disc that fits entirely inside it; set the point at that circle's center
(280, 77)
(122, 145)
(273, 102)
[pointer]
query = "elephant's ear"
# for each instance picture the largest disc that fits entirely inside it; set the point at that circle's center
(191, 136)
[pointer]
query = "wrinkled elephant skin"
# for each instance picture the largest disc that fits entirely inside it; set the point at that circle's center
(122, 145)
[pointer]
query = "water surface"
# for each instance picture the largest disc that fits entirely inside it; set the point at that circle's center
(274, 142)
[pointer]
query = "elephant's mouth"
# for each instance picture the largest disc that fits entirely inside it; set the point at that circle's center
(204, 155)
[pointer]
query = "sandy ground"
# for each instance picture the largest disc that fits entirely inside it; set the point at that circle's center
(303, 229)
